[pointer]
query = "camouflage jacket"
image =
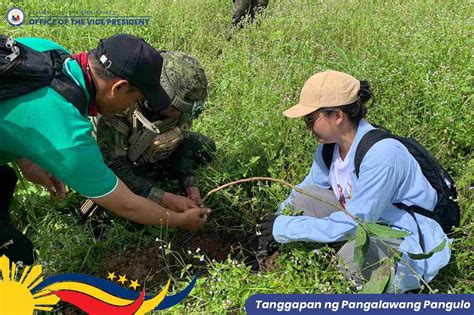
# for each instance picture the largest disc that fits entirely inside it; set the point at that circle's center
(112, 136)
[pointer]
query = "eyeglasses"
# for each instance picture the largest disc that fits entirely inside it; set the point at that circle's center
(314, 117)
(311, 119)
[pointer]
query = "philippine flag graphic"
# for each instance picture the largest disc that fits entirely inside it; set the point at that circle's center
(93, 295)
(15, 17)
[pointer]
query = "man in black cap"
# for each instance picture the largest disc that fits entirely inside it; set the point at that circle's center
(131, 59)
(48, 136)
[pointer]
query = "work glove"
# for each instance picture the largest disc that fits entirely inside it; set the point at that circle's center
(266, 244)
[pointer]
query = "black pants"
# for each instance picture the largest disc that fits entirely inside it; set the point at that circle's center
(247, 8)
(13, 244)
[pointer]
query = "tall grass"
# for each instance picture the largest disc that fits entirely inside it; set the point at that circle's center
(416, 55)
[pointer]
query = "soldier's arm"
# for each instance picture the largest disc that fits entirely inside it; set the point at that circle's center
(112, 137)
(125, 203)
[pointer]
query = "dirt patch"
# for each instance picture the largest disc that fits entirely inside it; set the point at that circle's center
(160, 261)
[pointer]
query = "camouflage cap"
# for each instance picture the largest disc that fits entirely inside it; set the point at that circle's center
(185, 75)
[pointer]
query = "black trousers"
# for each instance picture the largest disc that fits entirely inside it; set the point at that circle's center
(13, 243)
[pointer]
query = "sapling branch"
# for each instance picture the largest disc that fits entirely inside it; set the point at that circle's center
(373, 229)
(280, 181)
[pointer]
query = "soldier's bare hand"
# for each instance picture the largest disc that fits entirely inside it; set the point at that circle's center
(177, 203)
(194, 194)
(195, 218)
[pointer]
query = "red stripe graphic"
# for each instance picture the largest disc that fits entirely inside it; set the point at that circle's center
(93, 306)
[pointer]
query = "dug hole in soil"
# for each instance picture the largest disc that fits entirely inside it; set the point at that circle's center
(154, 264)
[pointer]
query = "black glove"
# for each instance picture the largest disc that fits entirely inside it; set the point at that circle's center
(266, 242)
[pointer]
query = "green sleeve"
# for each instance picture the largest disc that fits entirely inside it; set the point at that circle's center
(84, 170)
(40, 44)
(44, 128)
(72, 153)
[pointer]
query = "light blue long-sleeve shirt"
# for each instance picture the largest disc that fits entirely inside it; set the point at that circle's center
(388, 174)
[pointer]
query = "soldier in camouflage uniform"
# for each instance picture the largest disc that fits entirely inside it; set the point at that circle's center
(247, 8)
(173, 152)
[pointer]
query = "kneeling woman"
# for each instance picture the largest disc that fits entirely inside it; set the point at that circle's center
(332, 104)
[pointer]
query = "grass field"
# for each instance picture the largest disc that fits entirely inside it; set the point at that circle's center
(416, 55)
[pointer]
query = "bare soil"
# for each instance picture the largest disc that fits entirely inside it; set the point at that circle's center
(155, 264)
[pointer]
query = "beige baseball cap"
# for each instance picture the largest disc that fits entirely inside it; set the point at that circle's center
(325, 89)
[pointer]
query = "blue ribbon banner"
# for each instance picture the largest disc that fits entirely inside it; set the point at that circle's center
(353, 304)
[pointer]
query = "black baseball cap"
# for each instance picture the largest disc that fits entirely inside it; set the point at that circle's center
(131, 58)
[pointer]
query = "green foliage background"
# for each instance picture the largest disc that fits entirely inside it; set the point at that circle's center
(416, 55)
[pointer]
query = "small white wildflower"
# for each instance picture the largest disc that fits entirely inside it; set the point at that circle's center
(201, 259)
(189, 252)
(161, 247)
(157, 239)
(198, 250)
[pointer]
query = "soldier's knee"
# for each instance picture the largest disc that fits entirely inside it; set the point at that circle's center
(204, 147)
(209, 145)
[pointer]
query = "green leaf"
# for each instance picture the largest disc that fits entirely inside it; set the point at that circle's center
(428, 254)
(361, 246)
(254, 159)
(380, 278)
(385, 232)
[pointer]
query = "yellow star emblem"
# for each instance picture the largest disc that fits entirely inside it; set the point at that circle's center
(122, 279)
(111, 276)
(134, 284)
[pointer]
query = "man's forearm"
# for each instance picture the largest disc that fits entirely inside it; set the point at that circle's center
(124, 203)
(147, 212)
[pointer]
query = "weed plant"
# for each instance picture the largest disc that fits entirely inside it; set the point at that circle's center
(416, 55)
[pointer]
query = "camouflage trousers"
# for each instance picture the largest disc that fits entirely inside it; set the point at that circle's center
(247, 8)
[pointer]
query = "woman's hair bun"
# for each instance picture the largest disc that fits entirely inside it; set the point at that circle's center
(364, 93)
